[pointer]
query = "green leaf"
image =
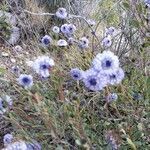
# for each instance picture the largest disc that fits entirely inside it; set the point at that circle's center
(131, 144)
(146, 44)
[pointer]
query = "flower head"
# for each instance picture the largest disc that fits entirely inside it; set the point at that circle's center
(71, 41)
(68, 29)
(106, 42)
(71, 28)
(56, 29)
(61, 13)
(64, 28)
(46, 40)
(62, 43)
(84, 42)
(42, 65)
(112, 97)
(76, 74)
(116, 77)
(25, 80)
(94, 80)
(110, 31)
(7, 139)
(15, 70)
(106, 62)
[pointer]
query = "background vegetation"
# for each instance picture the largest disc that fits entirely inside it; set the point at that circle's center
(60, 113)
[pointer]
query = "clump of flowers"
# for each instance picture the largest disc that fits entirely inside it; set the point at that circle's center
(68, 29)
(104, 71)
(43, 65)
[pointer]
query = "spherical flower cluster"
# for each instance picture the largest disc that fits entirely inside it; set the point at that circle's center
(106, 42)
(68, 29)
(106, 62)
(111, 31)
(116, 77)
(61, 13)
(94, 81)
(111, 97)
(56, 29)
(7, 139)
(62, 43)
(64, 28)
(43, 65)
(104, 71)
(15, 70)
(84, 42)
(76, 74)
(71, 41)
(46, 40)
(25, 80)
